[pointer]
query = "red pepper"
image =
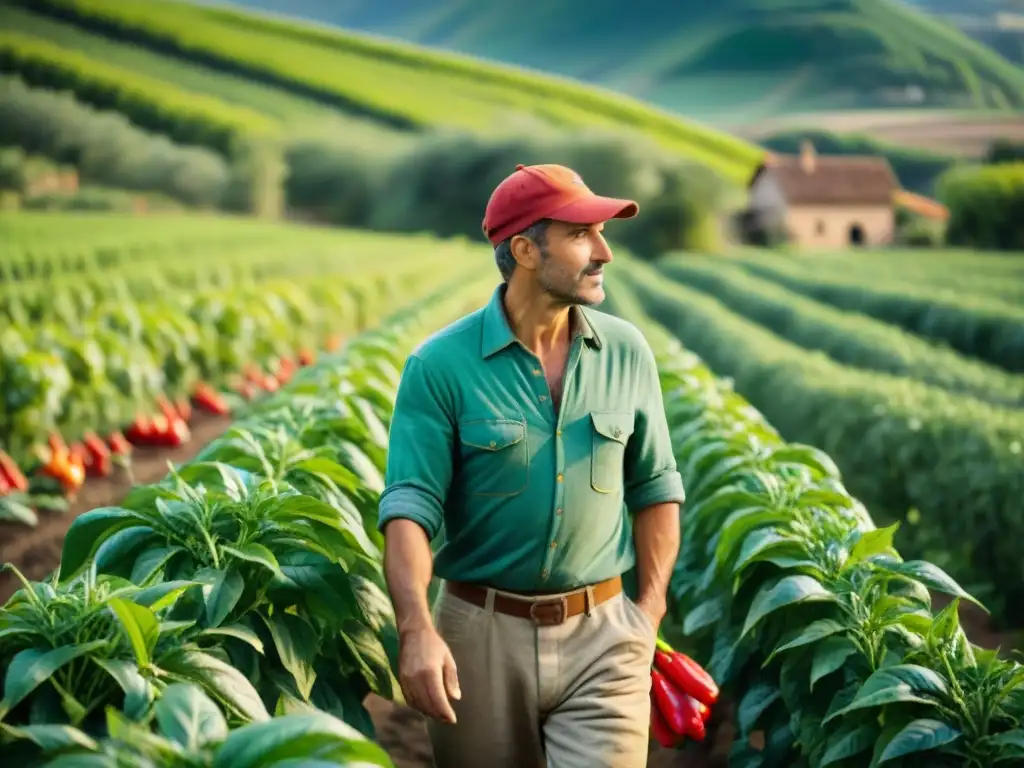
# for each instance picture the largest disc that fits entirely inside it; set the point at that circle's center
(99, 455)
(119, 444)
(209, 399)
(692, 719)
(660, 728)
(669, 701)
(11, 475)
(705, 711)
(688, 675)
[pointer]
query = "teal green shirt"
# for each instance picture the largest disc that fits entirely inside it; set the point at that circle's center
(529, 499)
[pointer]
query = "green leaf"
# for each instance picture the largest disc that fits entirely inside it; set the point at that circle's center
(874, 542)
(298, 736)
(849, 741)
(88, 532)
(151, 561)
(254, 552)
(930, 575)
(52, 737)
(830, 656)
(138, 691)
(810, 634)
(222, 596)
(906, 683)
(162, 594)
(140, 625)
(753, 704)
(187, 716)
(919, 736)
(118, 552)
(790, 590)
(221, 680)
(296, 644)
(239, 632)
(703, 615)
(31, 667)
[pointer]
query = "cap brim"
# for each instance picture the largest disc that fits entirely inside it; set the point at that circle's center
(593, 209)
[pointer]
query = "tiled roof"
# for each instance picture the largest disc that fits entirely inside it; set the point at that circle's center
(831, 180)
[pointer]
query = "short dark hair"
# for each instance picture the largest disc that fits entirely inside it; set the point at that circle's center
(503, 251)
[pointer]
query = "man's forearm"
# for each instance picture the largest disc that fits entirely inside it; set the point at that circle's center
(656, 538)
(408, 567)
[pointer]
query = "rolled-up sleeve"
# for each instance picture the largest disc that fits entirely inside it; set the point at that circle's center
(651, 473)
(419, 464)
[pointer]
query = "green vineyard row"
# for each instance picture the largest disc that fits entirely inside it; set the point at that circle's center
(243, 591)
(396, 84)
(803, 610)
(982, 275)
(847, 337)
(975, 326)
(187, 117)
(903, 445)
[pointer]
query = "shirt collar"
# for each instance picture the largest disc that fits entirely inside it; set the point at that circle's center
(497, 333)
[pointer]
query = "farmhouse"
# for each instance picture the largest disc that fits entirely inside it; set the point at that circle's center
(823, 202)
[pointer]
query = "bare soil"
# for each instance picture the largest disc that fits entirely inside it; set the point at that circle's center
(36, 551)
(948, 132)
(400, 730)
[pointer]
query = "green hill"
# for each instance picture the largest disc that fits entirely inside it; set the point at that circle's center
(299, 75)
(735, 59)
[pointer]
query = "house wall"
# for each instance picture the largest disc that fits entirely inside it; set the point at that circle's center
(766, 198)
(830, 226)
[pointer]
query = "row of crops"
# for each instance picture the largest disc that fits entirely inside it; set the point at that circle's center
(924, 434)
(803, 609)
(234, 613)
(120, 333)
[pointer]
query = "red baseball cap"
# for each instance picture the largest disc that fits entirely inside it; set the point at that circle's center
(536, 192)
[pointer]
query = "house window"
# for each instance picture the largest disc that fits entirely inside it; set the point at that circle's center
(819, 228)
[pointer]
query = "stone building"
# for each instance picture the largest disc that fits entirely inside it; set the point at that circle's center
(822, 201)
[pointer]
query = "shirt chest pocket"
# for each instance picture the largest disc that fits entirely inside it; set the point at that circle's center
(611, 431)
(495, 457)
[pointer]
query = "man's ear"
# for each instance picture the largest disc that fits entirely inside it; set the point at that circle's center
(525, 252)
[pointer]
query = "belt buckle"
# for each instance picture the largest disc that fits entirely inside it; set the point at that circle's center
(544, 618)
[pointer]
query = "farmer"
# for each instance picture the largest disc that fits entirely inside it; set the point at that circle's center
(527, 429)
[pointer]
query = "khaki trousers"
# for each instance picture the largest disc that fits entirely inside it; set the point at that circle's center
(572, 695)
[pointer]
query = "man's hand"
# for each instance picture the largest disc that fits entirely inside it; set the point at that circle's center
(654, 608)
(426, 671)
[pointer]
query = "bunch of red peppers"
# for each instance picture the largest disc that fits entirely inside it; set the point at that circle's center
(682, 694)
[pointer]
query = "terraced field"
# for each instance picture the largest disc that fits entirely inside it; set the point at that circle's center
(291, 74)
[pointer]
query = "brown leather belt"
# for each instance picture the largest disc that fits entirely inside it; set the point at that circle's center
(543, 610)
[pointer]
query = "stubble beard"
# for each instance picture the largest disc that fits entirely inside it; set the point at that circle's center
(557, 289)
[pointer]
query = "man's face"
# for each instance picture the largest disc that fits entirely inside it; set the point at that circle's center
(572, 261)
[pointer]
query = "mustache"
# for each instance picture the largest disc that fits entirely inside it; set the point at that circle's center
(595, 270)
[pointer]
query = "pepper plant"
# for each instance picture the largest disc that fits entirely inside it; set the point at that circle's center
(803, 609)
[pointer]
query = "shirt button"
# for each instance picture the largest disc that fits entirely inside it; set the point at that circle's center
(558, 511)
(543, 398)
(554, 544)
(544, 573)
(558, 432)
(537, 371)
(559, 477)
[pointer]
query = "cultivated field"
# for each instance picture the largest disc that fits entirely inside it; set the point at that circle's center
(956, 133)
(194, 406)
(251, 573)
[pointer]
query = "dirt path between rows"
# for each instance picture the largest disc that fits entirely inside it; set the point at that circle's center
(36, 551)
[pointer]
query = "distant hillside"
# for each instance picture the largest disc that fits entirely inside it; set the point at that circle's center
(998, 24)
(733, 59)
(300, 75)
